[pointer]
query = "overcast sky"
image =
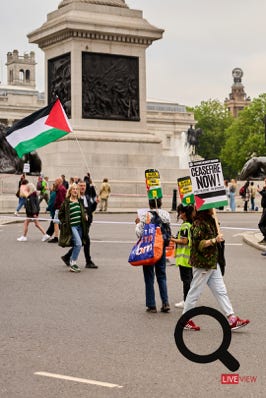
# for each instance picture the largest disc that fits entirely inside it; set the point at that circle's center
(202, 43)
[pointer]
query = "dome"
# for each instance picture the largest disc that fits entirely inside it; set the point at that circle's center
(113, 3)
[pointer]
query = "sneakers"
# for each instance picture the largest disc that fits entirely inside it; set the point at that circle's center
(90, 264)
(66, 260)
(74, 268)
(45, 237)
(153, 310)
(180, 305)
(262, 242)
(16, 213)
(53, 240)
(235, 322)
(190, 325)
(22, 239)
(165, 307)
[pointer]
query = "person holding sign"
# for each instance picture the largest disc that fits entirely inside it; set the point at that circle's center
(183, 245)
(159, 268)
(206, 270)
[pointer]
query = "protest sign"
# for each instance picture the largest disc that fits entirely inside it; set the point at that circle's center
(185, 190)
(153, 184)
(208, 184)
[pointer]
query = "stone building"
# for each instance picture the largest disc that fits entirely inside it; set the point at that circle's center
(95, 62)
(238, 99)
(19, 97)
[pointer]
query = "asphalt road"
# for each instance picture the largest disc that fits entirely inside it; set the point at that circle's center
(65, 335)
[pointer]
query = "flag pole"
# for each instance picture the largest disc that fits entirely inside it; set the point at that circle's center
(82, 153)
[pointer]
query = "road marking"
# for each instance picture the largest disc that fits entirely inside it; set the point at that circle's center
(78, 380)
(113, 241)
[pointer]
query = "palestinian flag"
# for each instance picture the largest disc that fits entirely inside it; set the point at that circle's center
(39, 129)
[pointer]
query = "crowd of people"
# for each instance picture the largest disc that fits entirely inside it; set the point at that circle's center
(200, 258)
(71, 206)
(198, 242)
(247, 193)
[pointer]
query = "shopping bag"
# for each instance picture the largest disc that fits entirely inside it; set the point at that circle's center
(170, 250)
(149, 248)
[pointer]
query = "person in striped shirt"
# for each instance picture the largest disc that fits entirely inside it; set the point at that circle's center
(73, 219)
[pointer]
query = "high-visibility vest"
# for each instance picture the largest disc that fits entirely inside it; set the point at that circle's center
(182, 252)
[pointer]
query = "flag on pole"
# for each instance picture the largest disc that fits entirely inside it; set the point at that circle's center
(39, 129)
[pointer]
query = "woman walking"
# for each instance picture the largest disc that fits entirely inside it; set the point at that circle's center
(32, 211)
(206, 270)
(159, 268)
(232, 194)
(73, 224)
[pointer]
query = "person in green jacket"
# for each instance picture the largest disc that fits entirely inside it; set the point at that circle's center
(73, 221)
(183, 245)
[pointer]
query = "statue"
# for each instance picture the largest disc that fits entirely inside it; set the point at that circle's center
(254, 168)
(10, 163)
(193, 139)
(237, 75)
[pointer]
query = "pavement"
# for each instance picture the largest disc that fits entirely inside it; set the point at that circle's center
(253, 238)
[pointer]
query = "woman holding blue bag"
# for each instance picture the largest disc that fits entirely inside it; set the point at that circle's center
(159, 268)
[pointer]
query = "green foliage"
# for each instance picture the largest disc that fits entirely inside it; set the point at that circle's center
(245, 137)
(213, 118)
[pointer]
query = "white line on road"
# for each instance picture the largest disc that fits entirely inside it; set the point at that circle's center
(78, 380)
(133, 242)
(113, 241)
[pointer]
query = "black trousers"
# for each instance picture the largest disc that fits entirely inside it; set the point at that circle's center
(262, 223)
(186, 276)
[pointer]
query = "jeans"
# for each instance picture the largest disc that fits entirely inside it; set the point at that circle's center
(213, 278)
(159, 269)
(252, 202)
(21, 203)
(232, 201)
(77, 241)
(86, 249)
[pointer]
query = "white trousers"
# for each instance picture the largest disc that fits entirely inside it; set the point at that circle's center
(214, 279)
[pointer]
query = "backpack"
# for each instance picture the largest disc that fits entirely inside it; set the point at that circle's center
(165, 227)
(242, 191)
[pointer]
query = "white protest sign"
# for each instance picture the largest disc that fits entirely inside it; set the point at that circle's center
(26, 168)
(208, 184)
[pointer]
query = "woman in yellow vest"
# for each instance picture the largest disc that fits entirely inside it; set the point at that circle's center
(183, 245)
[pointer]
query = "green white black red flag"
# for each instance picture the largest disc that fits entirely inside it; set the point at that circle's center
(39, 129)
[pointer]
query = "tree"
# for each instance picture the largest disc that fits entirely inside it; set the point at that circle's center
(245, 138)
(213, 118)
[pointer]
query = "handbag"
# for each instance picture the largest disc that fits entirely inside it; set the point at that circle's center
(221, 257)
(170, 250)
(149, 248)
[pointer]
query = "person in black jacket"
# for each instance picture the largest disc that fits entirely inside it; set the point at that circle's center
(90, 204)
(262, 222)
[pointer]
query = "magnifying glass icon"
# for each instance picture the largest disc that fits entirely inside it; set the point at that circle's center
(221, 353)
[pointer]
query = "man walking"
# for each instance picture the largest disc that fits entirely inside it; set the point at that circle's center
(59, 199)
